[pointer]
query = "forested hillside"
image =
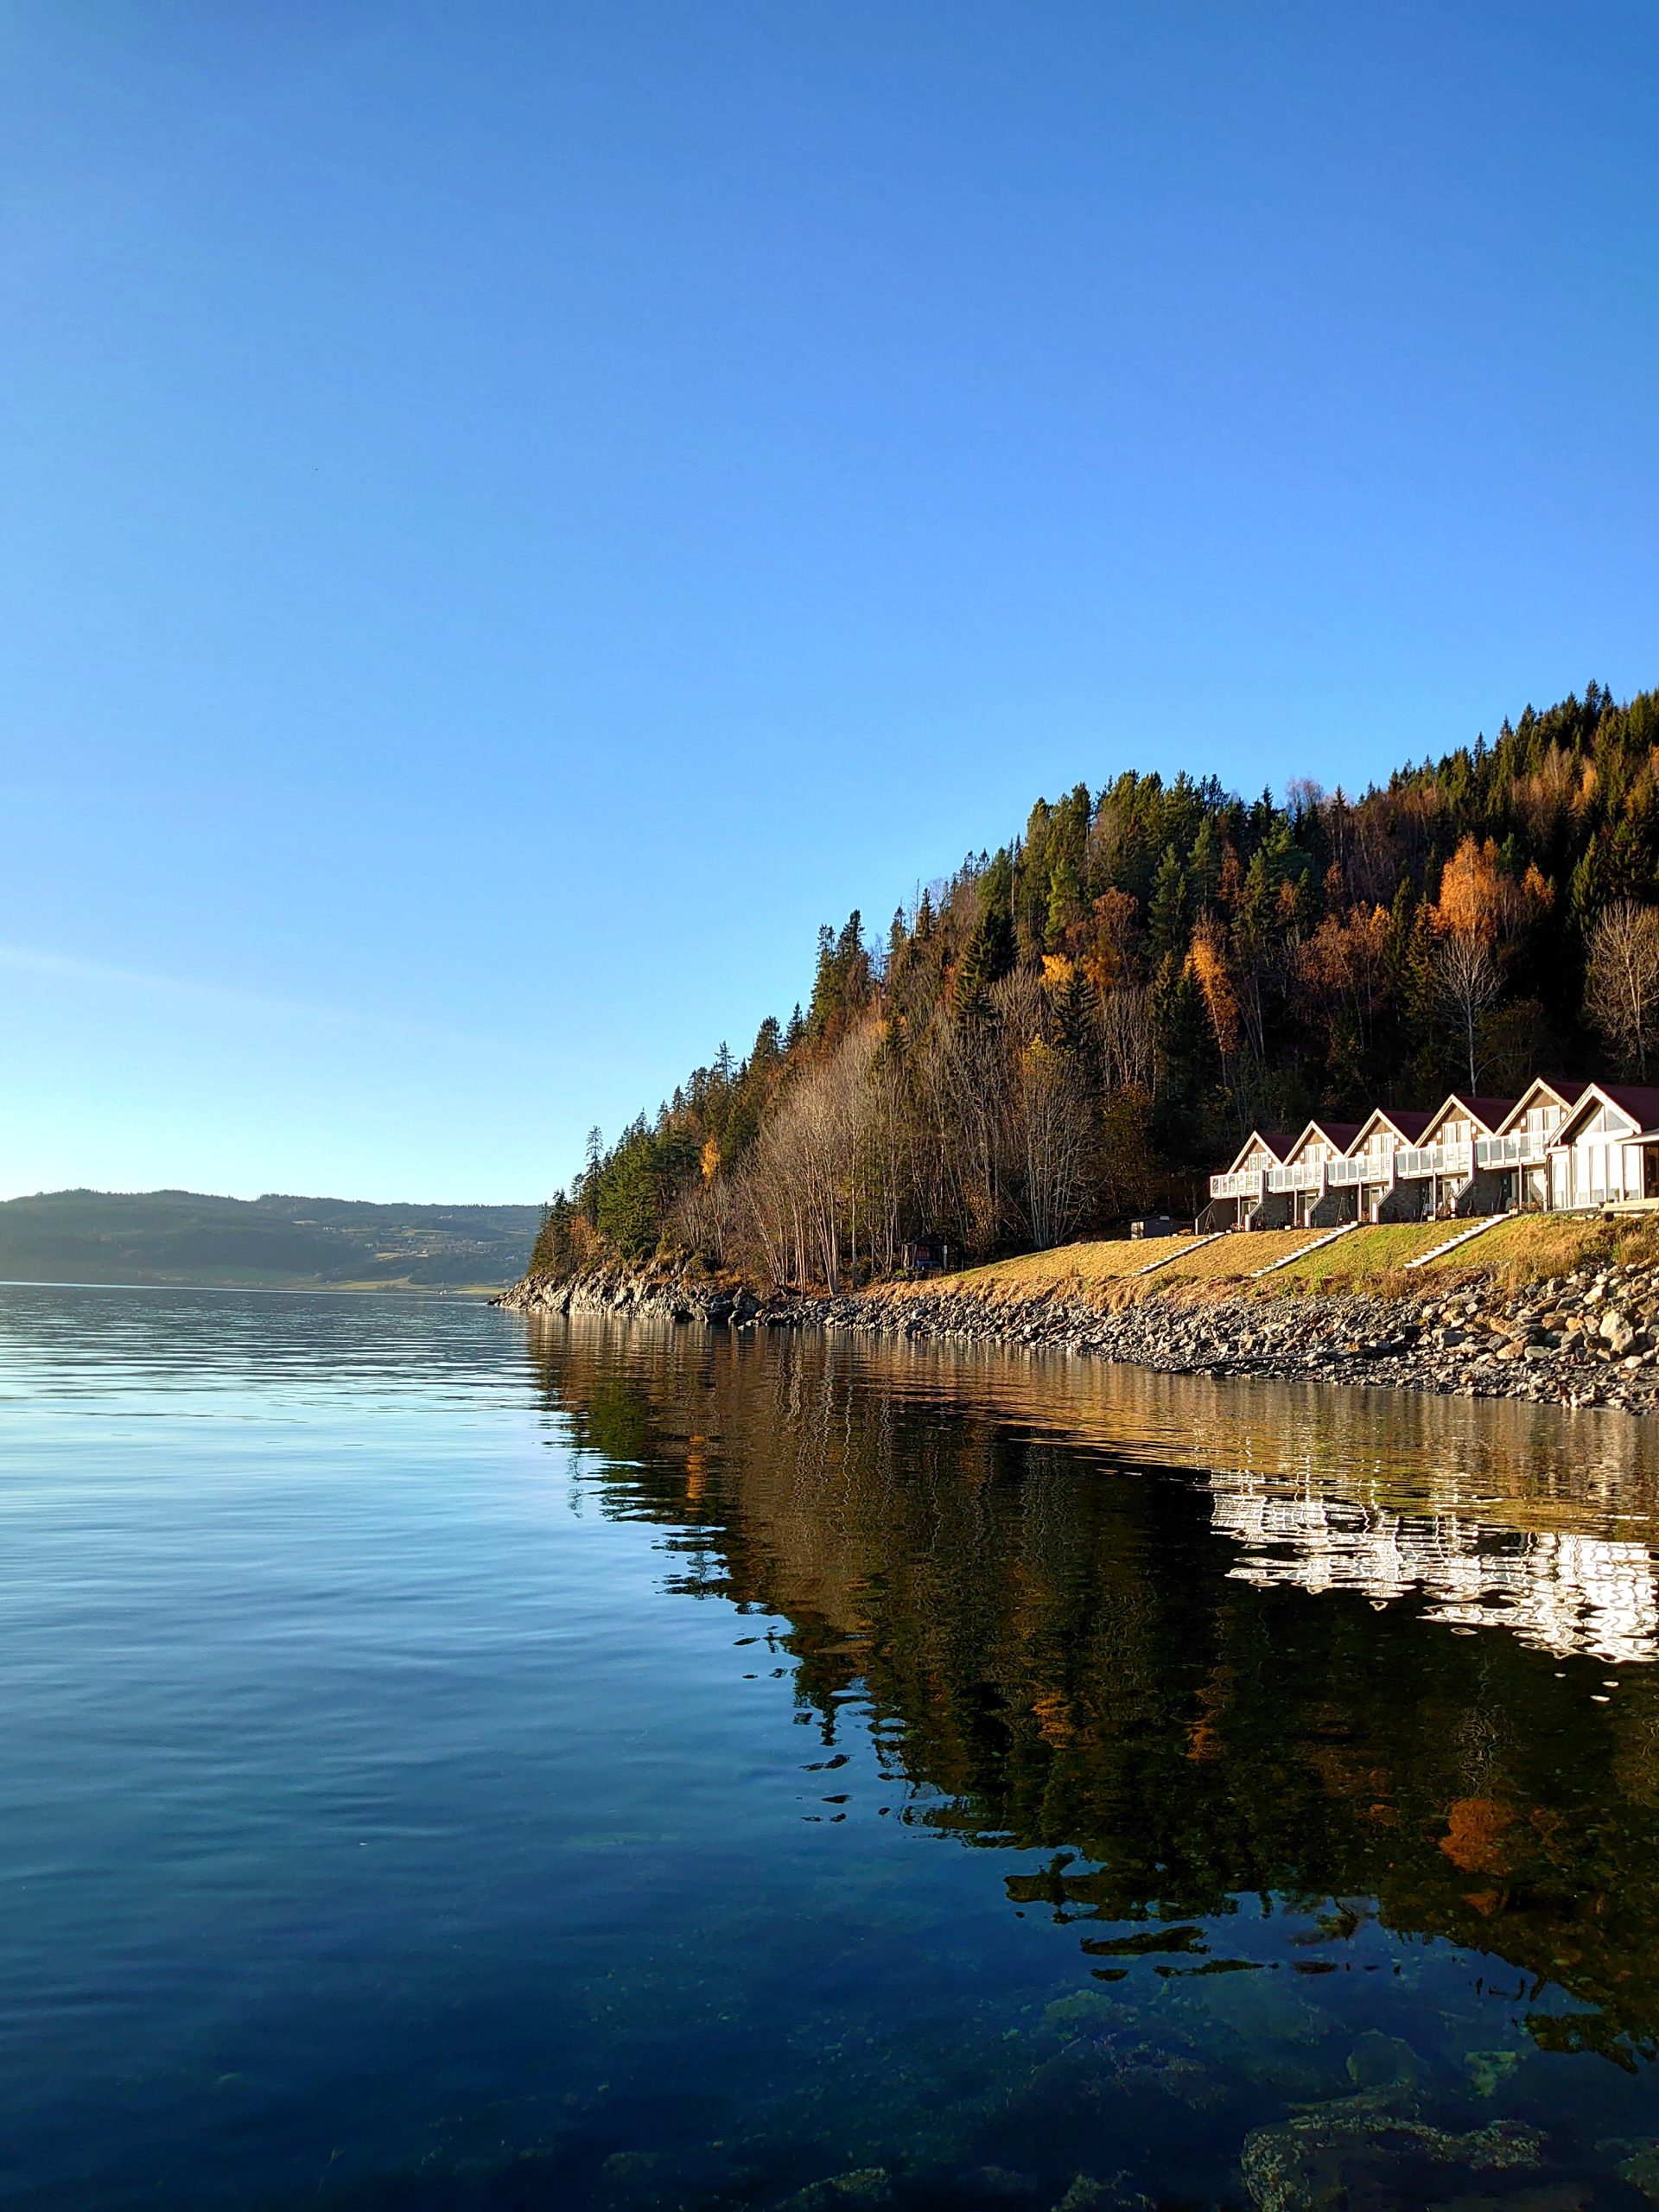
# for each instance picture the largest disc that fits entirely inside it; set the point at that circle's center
(181, 1237)
(1083, 1025)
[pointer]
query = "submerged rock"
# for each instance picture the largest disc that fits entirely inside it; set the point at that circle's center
(1638, 2163)
(1380, 2061)
(1088, 2195)
(1490, 2069)
(849, 2192)
(1355, 2152)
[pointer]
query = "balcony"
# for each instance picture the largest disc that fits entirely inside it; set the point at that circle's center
(1419, 1160)
(1526, 1148)
(1363, 1170)
(1301, 1175)
(1242, 1183)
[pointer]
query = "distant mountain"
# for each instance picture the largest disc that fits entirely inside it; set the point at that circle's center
(272, 1242)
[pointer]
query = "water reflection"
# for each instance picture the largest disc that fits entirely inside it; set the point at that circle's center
(1557, 1590)
(1204, 1686)
(449, 1766)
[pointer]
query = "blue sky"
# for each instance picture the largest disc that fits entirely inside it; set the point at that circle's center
(509, 515)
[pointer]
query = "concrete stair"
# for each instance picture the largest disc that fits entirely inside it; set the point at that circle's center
(1463, 1237)
(1302, 1250)
(1165, 1258)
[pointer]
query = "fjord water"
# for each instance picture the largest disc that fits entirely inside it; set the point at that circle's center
(453, 1761)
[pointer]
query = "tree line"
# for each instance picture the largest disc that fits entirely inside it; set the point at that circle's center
(1080, 1025)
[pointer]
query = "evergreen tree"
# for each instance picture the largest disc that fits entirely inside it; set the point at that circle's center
(1166, 917)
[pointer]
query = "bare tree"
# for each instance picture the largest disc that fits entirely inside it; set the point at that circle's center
(1468, 978)
(1621, 992)
(1128, 1039)
(1047, 1117)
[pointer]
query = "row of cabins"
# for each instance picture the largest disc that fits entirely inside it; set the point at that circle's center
(1560, 1147)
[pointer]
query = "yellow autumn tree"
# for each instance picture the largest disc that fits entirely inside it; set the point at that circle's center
(1475, 895)
(1207, 964)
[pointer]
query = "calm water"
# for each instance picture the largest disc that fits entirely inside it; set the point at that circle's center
(448, 1763)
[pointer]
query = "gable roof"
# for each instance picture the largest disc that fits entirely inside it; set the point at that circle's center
(1408, 1123)
(1566, 1094)
(1639, 1101)
(1340, 1134)
(1277, 1141)
(1489, 1113)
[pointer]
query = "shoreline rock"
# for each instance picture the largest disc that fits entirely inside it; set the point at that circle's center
(1587, 1338)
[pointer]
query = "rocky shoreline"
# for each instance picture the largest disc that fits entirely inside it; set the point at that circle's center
(1590, 1337)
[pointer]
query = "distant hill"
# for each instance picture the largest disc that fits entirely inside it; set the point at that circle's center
(272, 1242)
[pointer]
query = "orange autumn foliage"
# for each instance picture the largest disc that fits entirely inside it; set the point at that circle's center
(1477, 1832)
(1206, 962)
(1474, 896)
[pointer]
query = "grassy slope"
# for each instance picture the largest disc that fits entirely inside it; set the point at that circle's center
(1370, 1259)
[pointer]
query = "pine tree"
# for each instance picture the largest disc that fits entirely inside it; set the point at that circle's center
(1167, 916)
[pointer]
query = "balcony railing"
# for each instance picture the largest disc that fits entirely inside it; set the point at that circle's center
(1408, 1163)
(1421, 1159)
(1240, 1183)
(1302, 1175)
(1525, 1148)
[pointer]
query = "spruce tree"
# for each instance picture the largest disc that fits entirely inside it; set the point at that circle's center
(1167, 916)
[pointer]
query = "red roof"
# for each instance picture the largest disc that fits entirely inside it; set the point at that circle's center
(1569, 1092)
(1490, 1112)
(1276, 1143)
(1341, 1133)
(1639, 1101)
(1410, 1121)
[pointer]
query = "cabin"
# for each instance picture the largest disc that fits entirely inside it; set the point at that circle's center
(1239, 1197)
(1444, 1175)
(1371, 1168)
(1520, 1150)
(1561, 1147)
(1606, 1151)
(1305, 1177)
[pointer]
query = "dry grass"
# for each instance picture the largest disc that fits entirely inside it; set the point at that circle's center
(1114, 1269)
(1524, 1250)
(1365, 1259)
(1234, 1257)
(1373, 1259)
(1070, 1269)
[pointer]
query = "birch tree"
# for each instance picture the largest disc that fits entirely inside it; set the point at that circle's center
(1621, 981)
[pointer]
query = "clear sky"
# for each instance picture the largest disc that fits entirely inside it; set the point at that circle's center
(510, 514)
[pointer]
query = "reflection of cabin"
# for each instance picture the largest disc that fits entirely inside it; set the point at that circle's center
(1239, 1197)
(926, 1255)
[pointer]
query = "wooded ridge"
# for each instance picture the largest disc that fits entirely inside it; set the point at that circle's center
(272, 1242)
(1080, 1025)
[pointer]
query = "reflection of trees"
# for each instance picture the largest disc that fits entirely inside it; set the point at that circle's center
(1076, 1668)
